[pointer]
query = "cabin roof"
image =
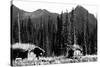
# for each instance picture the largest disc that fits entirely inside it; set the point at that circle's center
(74, 47)
(25, 46)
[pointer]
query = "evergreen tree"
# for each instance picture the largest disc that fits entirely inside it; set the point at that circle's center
(70, 29)
(65, 32)
(85, 35)
(29, 30)
(59, 31)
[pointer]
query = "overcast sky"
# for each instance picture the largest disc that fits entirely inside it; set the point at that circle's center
(31, 6)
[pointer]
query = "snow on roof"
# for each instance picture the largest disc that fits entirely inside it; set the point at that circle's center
(25, 46)
(76, 46)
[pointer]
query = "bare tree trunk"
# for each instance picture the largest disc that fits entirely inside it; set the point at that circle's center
(19, 29)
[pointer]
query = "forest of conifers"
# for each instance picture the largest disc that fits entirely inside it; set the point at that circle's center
(53, 32)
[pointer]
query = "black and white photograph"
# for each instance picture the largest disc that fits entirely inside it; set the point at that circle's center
(44, 33)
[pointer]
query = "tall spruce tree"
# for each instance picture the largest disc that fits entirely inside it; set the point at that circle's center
(65, 33)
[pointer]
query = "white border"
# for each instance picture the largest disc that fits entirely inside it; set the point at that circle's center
(5, 33)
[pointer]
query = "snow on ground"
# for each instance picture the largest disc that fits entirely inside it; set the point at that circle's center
(55, 60)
